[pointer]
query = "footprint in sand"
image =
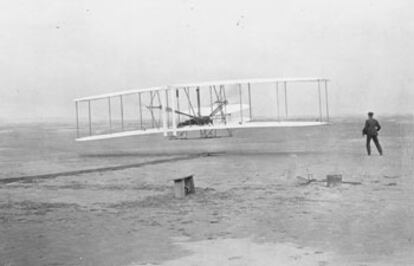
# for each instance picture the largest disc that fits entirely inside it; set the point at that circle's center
(391, 177)
(235, 258)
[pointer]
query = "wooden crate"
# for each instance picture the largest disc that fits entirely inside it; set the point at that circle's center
(184, 186)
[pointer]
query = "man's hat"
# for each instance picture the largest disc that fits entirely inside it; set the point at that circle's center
(370, 113)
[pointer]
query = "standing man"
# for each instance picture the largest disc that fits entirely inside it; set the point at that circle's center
(371, 130)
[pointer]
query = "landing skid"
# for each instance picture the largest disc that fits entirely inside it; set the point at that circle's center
(208, 133)
(204, 134)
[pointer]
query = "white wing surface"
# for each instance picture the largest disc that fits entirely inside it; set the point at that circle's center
(202, 106)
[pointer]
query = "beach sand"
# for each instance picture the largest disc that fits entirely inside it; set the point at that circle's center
(251, 206)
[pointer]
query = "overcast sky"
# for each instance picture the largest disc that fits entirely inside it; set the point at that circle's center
(52, 51)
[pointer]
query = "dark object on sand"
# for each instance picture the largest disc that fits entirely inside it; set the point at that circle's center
(183, 186)
(391, 184)
(333, 180)
(392, 176)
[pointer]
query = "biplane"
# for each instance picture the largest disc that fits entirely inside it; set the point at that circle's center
(206, 107)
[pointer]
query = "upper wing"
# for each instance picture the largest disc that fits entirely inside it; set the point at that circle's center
(125, 113)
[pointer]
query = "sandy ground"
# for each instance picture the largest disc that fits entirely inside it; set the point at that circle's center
(250, 207)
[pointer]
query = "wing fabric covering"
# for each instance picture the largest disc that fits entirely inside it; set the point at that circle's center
(219, 105)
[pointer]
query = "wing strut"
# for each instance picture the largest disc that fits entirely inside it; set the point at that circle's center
(198, 101)
(122, 111)
(326, 100)
(187, 92)
(241, 103)
(211, 98)
(320, 100)
(174, 99)
(164, 101)
(286, 103)
(277, 101)
(140, 109)
(250, 101)
(77, 119)
(218, 109)
(90, 118)
(109, 114)
(223, 98)
(177, 94)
